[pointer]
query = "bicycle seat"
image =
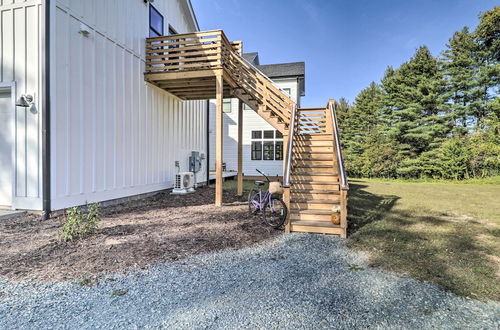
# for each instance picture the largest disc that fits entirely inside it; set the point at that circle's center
(259, 183)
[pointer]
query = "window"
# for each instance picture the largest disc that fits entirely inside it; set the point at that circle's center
(269, 150)
(278, 150)
(226, 106)
(287, 91)
(155, 22)
(256, 134)
(256, 150)
(268, 134)
(267, 145)
(246, 107)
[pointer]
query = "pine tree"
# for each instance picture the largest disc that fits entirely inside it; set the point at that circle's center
(357, 124)
(401, 128)
(460, 68)
(417, 112)
(487, 36)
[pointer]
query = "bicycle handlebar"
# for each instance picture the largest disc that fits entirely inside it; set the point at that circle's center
(263, 175)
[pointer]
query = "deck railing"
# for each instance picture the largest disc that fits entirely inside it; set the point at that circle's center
(211, 50)
(344, 185)
(181, 52)
(289, 150)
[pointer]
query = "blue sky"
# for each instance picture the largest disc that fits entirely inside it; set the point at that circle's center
(346, 44)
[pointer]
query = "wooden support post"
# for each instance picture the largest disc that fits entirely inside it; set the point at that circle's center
(286, 199)
(286, 191)
(219, 138)
(240, 148)
(343, 213)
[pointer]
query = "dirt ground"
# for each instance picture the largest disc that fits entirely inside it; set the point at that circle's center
(132, 235)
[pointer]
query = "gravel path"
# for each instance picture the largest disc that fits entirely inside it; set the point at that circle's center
(295, 281)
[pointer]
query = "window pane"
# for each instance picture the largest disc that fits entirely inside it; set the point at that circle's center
(268, 150)
(256, 150)
(287, 91)
(155, 21)
(268, 134)
(256, 134)
(278, 152)
(246, 107)
(279, 135)
(226, 106)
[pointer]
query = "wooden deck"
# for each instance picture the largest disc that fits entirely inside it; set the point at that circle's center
(188, 65)
(206, 65)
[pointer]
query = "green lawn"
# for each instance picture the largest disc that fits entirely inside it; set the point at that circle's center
(440, 232)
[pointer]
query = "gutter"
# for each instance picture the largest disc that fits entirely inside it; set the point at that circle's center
(46, 111)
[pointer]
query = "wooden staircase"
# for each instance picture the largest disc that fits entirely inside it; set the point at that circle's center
(206, 65)
(315, 192)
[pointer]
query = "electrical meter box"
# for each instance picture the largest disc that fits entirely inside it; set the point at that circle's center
(194, 162)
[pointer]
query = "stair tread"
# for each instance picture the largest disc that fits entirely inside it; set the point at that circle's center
(311, 211)
(322, 139)
(314, 201)
(312, 166)
(315, 191)
(313, 173)
(311, 144)
(325, 223)
(314, 182)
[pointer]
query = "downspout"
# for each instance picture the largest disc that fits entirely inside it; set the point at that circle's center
(46, 111)
(208, 142)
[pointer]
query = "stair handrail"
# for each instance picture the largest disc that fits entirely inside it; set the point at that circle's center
(262, 74)
(288, 158)
(344, 185)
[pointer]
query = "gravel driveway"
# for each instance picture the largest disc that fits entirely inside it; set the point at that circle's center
(295, 281)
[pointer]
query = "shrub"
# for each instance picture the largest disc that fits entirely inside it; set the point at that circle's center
(79, 224)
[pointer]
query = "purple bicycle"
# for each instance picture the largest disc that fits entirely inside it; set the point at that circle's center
(272, 207)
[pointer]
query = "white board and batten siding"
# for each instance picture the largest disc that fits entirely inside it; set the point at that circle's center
(251, 122)
(20, 72)
(112, 134)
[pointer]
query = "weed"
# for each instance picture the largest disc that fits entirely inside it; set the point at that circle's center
(354, 267)
(118, 293)
(87, 281)
(79, 224)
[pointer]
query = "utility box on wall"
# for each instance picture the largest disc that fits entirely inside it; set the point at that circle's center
(195, 162)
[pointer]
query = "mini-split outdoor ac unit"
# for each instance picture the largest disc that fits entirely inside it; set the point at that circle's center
(184, 183)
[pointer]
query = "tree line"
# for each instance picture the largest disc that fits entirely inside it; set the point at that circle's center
(432, 117)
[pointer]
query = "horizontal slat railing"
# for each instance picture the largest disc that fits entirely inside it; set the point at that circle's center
(312, 122)
(183, 52)
(212, 50)
(258, 86)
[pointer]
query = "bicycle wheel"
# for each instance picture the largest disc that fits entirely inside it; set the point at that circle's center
(275, 212)
(253, 201)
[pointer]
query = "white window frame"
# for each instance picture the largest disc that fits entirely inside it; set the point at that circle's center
(262, 141)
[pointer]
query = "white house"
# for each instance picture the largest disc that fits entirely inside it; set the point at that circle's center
(78, 122)
(262, 144)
